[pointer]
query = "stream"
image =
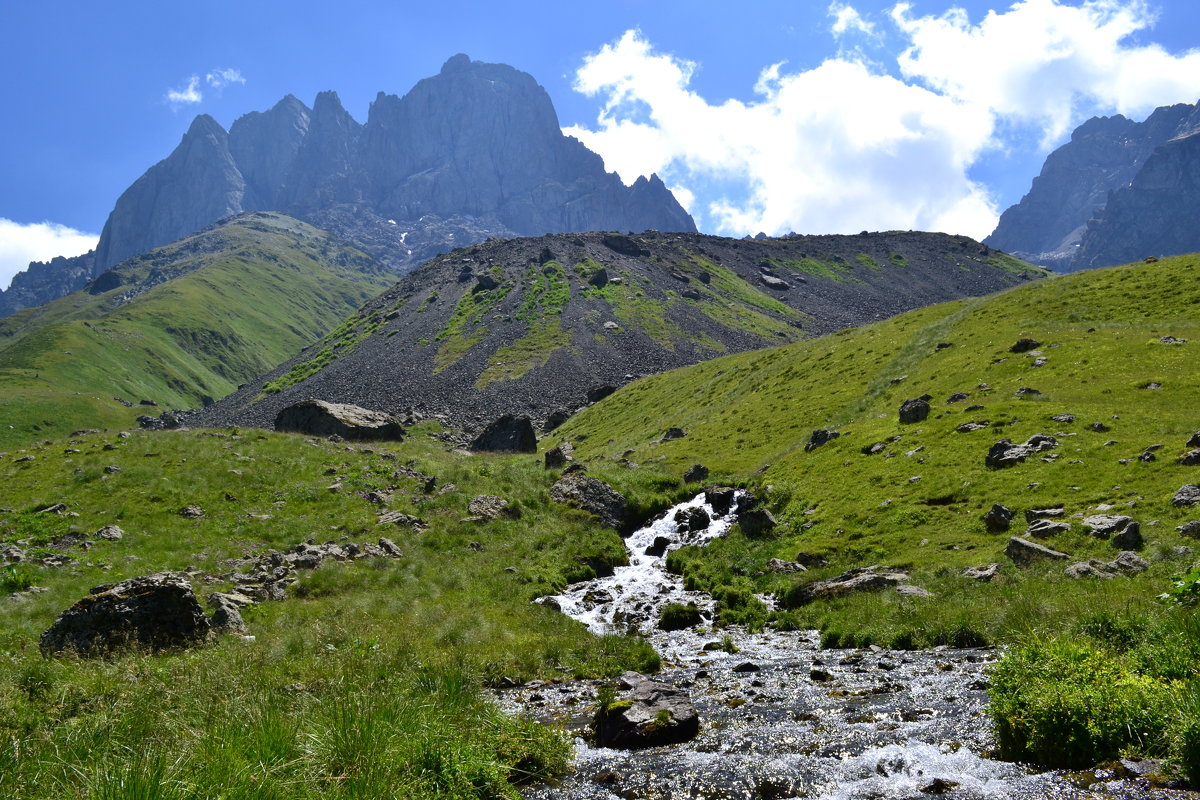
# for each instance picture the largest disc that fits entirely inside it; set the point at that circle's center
(781, 718)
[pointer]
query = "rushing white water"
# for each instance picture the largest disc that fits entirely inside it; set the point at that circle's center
(631, 599)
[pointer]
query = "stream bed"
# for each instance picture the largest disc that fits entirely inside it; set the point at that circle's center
(781, 718)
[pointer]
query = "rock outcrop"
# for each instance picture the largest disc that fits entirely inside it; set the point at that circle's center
(593, 496)
(43, 281)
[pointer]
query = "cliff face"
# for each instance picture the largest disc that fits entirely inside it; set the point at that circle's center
(44, 281)
(477, 141)
(1105, 159)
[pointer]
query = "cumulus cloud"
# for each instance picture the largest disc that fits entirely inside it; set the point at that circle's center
(41, 241)
(188, 95)
(846, 19)
(845, 145)
(191, 93)
(222, 77)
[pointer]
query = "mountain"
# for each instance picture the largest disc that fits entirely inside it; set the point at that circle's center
(178, 326)
(44, 281)
(477, 140)
(531, 326)
(1091, 205)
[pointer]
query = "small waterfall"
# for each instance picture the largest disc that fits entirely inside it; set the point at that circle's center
(632, 598)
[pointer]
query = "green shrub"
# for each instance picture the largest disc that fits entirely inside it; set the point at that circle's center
(677, 617)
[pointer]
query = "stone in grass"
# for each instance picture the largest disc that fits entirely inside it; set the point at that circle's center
(696, 474)
(110, 533)
(1045, 528)
(1103, 526)
(1190, 458)
(1005, 454)
(1188, 495)
(1024, 345)
(914, 411)
(673, 433)
(820, 437)
(595, 497)
(151, 612)
(998, 518)
(1190, 529)
(1023, 552)
(1127, 563)
(1195, 440)
(757, 523)
(982, 574)
(862, 579)
(648, 714)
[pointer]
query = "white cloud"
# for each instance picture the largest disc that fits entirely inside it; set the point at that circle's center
(191, 93)
(221, 77)
(846, 18)
(844, 146)
(41, 241)
(188, 95)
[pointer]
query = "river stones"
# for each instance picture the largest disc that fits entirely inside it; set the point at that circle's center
(720, 499)
(647, 714)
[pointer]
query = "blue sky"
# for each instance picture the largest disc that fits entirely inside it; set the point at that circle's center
(782, 115)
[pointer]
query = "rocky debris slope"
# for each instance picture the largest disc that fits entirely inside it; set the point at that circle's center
(1117, 192)
(545, 325)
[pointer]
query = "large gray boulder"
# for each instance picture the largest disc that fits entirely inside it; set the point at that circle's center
(1188, 495)
(862, 579)
(596, 497)
(998, 518)
(1024, 552)
(150, 612)
(914, 410)
(321, 418)
(648, 714)
(507, 434)
(1005, 454)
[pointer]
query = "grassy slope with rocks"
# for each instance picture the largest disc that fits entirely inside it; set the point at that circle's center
(528, 326)
(366, 682)
(1101, 665)
(186, 324)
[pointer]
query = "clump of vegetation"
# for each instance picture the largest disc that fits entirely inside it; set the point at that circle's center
(679, 616)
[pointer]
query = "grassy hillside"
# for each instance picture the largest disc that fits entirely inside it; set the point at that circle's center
(366, 682)
(180, 326)
(918, 503)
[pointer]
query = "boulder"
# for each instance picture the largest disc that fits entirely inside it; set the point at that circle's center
(811, 559)
(772, 282)
(1188, 495)
(487, 507)
(557, 458)
(692, 519)
(1195, 440)
(1045, 528)
(1005, 454)
(319, 418)
(720, 499)
(1102, 526)
(982, 574)
(1130, 538)
(1127, 563)
(227, 613)
(647, 714)
(914, 411)
(862, 579)
(110, 533)
(971, 427)
(507, 434)
(1190, 529)
(998, 518)
(757, 522)
(598, 393)
(1190, 458)
(1033, 514)
(1024, 552)
(151, 612)
(595, 497)
(820, 437)
(781, 567)
(673, 433)
(874, 449)
(556, 419)
(1025, 345)
(1065, 418)
(658, 547)
(696, 474)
